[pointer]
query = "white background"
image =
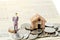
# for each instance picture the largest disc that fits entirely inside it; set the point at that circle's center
(57, 4)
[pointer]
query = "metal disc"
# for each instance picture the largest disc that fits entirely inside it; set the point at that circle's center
(26, 34)
(25, 25)
(56, 25)
(36, 31)
(41, 36)
(32, 36)
(49, 30)
(23, 32)
(14, 36)
(58, 29)
(23, 39)
(58, 33)
(49, 24)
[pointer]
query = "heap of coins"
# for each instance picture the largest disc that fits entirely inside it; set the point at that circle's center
(24, 33)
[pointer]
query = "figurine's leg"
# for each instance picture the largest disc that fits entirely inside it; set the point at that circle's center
(15, 27)
(34, 22)
(33, 26)
(43, 26)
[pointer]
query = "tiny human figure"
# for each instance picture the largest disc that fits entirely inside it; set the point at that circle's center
(36, 20)
(15, 21)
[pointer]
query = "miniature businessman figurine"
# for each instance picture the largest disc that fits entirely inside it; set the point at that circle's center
(15, 21)
(35, 20)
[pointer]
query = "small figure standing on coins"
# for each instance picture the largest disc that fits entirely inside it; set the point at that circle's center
(37, 21)
(15, 21)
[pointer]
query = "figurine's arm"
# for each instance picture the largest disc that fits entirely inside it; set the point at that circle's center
(34, 18)
(42, 19)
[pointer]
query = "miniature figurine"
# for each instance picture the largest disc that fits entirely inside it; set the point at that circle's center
(36, 21)
(15, 20)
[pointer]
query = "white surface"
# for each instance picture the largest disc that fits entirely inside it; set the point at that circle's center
(56, 3)
(49, 38)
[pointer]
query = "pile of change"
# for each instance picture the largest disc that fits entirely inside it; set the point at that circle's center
(25, 33)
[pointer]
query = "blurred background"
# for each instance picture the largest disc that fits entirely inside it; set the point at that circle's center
(49, 9)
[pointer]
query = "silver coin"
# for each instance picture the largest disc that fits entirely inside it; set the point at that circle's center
(26, 35)
(32, 36)
(25, 25)
(49, 30)
(56, 33)
(49, 24)
(59, 33)
(58, 29)
(36, 31)
(23, 39)
(41, 35)
(23, 32)
(56, 25)
(14, 36)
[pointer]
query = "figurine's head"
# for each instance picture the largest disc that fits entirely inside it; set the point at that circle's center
(16, 14)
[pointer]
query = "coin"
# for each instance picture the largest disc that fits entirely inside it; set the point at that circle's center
(49, 30)
(38, 31)
(23, 32)
(25, 25)
(32, 36)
